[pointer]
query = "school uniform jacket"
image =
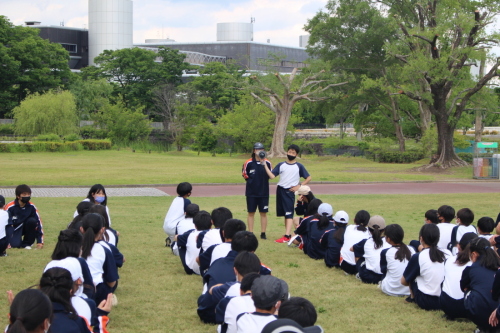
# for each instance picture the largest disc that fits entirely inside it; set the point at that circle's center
(18, 215)
(257, 180)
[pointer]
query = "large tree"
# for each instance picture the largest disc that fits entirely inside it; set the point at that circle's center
(28, 64)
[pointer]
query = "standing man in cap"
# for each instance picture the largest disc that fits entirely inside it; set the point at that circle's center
(257, 187)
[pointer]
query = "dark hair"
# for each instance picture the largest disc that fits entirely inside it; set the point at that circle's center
(69, 244)
(20, 189)
(463, 256)
(192, 209)
(446, 212)
(486, 224)
(396, 234)
(487, 256)
(82, 209)
(312, 206)
(339, 233)
(28, 311)
(323, 220)
(361, 219)
(247, 262)
(430, 236)
(96, 189)
(244, 241)
(247, 281)
(432, 215)
(232, 226)
(220, 216)
(300, 310)
(377, 235)
(294, 147)
(466, 216)
(184, 188)
(92, 224)
(202, 220)
(309, 196)
(57, 284)
(101, 210)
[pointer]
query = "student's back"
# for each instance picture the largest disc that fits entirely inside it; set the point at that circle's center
(393, 270)
(314, 248)
(445, 230)
(353, 236)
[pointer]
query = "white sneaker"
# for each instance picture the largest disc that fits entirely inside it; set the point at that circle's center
(27, 247)
(290, 242)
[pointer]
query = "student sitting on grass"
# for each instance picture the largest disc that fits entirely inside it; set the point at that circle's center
(214, 236)
(300, 310)
(322, 222)
(332, 240)
(305, 197)
(354, 234)
(312, 210)
(446, 214)
(477, 281)
(30, 311)
(485, 227)
(108, 236)
(187, 223)
(4, 221)
(465, 217)
(367, 252)
(452, 296)
(82, 209)
(268, 292)
(188, 252)
(393, 262)
(431, 216)
(176, 211)
(425, 271)
(97, 196)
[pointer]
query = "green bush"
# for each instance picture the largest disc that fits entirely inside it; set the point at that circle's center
(42, 146)
(72, 137)
(6, 129)
(90, 132)
(47, 137)
(95, 144)
(400, 157)
(467, 157)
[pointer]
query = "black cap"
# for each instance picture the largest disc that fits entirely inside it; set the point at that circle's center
(285, 325)
(2, 200)
(258, 145)
(267, 290)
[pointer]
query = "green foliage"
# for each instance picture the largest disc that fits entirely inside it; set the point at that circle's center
(467, 157)
(95, 144)
(30, 64)
(250, 122)
(429, 142)
(461, 141)
(6, 129)
(124, 124)
(183, 126)
(204, 137)
(90, 132)
(52, 112)
(48, 137)
(90, 96)
(51, 146)
(400, 157)
(72, 137)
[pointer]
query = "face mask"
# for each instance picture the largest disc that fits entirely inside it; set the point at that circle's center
(290, 157)
(25, 199)
(99, 199)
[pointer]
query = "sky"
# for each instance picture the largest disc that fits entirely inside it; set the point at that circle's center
(280, 21)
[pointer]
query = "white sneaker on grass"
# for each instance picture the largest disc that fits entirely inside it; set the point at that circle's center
(290, 242)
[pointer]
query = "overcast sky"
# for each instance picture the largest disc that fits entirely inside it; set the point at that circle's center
(281, 21)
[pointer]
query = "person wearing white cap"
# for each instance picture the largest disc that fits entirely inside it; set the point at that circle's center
(367, 252)
(333, 239)
(321, 223)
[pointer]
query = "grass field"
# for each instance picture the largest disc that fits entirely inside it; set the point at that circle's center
(156, 296)
(123, 167)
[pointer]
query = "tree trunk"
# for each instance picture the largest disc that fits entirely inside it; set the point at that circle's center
(280, 125)
(446, 152)
(397, 125)
(425, 117)
(341, 129)
(478, 131)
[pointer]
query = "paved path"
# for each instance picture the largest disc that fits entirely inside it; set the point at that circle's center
(218, 190)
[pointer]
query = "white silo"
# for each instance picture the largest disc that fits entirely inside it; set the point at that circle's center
(234, 32)
(110, 26)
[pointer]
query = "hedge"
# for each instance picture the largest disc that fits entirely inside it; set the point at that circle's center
(400, 157)
(41, 146)
(466, 157)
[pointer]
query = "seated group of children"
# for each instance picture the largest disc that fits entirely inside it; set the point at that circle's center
(238, 292)
(76, 289)
(451, 267)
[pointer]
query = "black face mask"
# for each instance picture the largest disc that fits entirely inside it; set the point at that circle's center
(290, 157)
(25, 199)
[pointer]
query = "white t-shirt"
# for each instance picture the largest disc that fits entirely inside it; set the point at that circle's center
(220, 251)
(372, 255)
(352, 236)
(253, 322)
(290, 173)
(192, 252)
(174, 215)
(235, 307)
(185, 225)
(452, 277)
(234, 291)
(463, 229)
(4, 220)
(111, 236)
(427, 274)
(96, 263)
(445, 230)
(391, 284)
(212, 237)
(82, 308)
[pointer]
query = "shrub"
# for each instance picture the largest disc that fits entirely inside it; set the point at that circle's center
(47, 137)
(6, 129)
(95, 144)
(400, 157)
(72, 137)
(90, 132)
(466, 157)
(43, 146)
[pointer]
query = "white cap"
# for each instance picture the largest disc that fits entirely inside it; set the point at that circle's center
(325, 209)
(70, 264)
(341, 217)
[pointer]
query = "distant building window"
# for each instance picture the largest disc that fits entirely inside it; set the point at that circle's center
(71, 48)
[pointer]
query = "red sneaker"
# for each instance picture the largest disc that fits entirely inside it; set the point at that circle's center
(283, 239)
(301, 246)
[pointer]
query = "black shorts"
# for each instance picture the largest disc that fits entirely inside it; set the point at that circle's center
(285, 201)
(254, 202)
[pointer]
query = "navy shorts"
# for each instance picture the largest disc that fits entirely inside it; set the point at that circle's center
(285, 201)
(254, 202)
(424, 301)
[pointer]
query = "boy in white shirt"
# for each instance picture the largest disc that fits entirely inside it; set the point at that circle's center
(4, 220)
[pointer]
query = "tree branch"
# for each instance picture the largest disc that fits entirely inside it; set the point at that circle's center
(268, 105)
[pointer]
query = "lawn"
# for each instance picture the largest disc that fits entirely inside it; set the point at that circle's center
(123, 167)
(156, 296)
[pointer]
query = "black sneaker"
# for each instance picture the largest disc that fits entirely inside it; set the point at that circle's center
(409, 299)
(263, 235)
(3, 254)
(168, 242)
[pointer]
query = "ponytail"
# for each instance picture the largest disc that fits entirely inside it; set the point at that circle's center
(361, 219)
(487, 256)
(430, 235)
(323, 221)
(377, 235)
(92, 224)
(396, 234)
(57, 284)
(29, 309)
(339, 234)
